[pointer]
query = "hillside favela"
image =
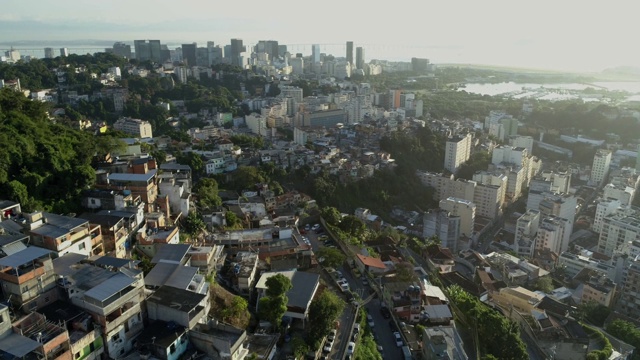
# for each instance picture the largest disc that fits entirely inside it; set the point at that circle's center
(249, 198)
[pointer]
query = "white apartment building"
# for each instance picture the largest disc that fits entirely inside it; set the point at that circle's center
(600, 168)
(526, 233)
(551, 234)
(444, 225)
(510, 155)
(560, 182)
(465, 209)
(576, 261)
(257, 124)
(457, 151)
(136, 127)
(624, 194)
(621, 227)
(604, 208)
(522, 142)
(291, 91)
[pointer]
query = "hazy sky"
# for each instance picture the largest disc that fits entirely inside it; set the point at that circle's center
(561, 34)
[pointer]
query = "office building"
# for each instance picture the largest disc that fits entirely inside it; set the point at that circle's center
(189, 54)
(522, 141)
(600, 168)
(465, 209)
(419, 65)
(624, 194)
(64, 52)
(142, 50)
(122, 49)
(315, 53)
(236, 49)
(326, 118)
(457, 151)
(291, 91)
(48, 53)
(155, 51)
(350, 52)
(360, 60)
(603, 209)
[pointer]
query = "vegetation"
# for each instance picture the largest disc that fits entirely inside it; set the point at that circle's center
(193, 224)
(221, 301)
(477, 161)
(43, 165)
(597, 335)
(206, 190)
(593, 312)
(544, 284)
(323, 312)
(331, 215)
(367, 349)
(273, 305)
(238, 307)
(332, 257)
(497, 335)
(626, 332)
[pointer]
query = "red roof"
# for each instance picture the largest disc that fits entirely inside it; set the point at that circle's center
(371, 261)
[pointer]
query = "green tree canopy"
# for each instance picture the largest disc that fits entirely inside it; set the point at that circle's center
(193, 224)
(193, 160)
(272, 309)
(278, 285)
(353, 226)
(331, 215)
(332, 257)
(206, 190)
(323, 312)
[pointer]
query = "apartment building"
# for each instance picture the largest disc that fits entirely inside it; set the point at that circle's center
(63, 234)
(600, 168)
(619, 228)
(465, 209)
(28, 280)
(457, 151)
(628, 304)
(136, 127)
(604, 208)
(624, 194)
(444, 225)
(526, 233)
(551, 234)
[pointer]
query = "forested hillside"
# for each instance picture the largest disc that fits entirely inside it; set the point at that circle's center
(42, 165)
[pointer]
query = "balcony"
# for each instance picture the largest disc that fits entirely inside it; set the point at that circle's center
(22, 274)
(121, 315)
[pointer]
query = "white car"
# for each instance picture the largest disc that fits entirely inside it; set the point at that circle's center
(315, 227)
(328, 345)
(399, 342)
(370, 321)
(351, 347)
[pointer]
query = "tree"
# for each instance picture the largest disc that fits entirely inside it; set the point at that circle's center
(593, 312)
(278, 285)
(193, 224)
(272, 310)
(233, 221)
(323, 312)
(405, 272)
(353, 226)
(332, 257)
(544, 284)
(193, 160)
(331, 215)
(625, 331)
(206, 190)
(238, 306)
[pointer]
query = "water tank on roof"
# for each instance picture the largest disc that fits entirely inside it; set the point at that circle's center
(126, 192)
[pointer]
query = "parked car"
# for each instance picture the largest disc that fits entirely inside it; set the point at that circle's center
(356, 328)
(381, 351)
(315, 227)
(385, 312)
(307, 227)
(328, 345)
(398, 337)
(351, 347)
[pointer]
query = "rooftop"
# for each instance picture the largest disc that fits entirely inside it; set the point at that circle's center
(160, 333)
(177, 299)
(20, 258)
(174, 275)
(171, 253)
(132, 177)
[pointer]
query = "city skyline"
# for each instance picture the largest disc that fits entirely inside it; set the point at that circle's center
(552, 35)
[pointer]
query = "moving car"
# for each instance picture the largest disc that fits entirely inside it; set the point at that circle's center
(370, 321)
(385, 312)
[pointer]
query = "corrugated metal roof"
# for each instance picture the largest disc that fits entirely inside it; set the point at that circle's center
(51, 231)
(24, 256)
(111, 261)
(13, 248)
(174, 275)
(171, 253)
(132, 177)
(18, 345)
(109, 287)
(62, 265)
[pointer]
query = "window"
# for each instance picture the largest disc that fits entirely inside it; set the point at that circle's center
(81, 246)
(76, 356)
(172, 348)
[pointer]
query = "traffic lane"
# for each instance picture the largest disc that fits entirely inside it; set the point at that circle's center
(344, 333)
(384, 333)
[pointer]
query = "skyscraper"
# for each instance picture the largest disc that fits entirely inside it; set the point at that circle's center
(360, 57)
(142, 50)
(48, 53)
(315, 53)
(155, 49)
(350, 52)
(122, 49)
(600, 168)
(457, 151)
(189, 54)
(237, 47)
(64, 52)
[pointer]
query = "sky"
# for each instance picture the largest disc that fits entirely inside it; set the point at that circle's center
(545, 34)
